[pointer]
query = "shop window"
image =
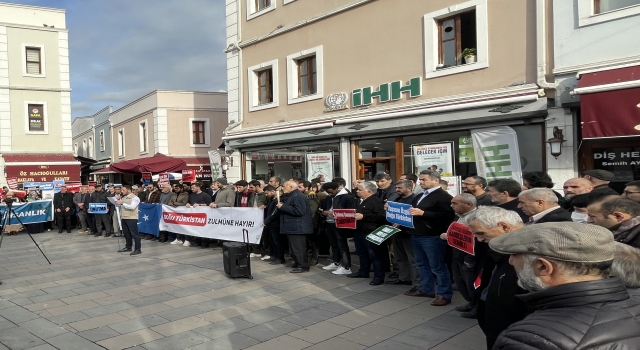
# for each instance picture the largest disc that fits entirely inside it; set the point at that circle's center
(305, 75)
(601, 6)
(36, 119)
(102, 144)
(263, 86)
(598, 11)
(447, 34)
(456, 34)
(296, 161)
(377, 155)
(121, 143)
(144, 137)
(257, 8)
(200, 133)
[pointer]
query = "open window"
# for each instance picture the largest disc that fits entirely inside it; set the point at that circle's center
(456, 34)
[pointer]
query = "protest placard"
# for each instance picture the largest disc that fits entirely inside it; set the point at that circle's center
(97, 208)
(381, 234)
(147, 178)
(398, 213)
(188, 175)
(163, 179)
(12, 182)
(345, 218)
(460, 237)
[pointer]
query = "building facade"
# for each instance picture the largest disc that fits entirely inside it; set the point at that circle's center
(181, 124)
(368, 82)
(597, 67)
(35, 100)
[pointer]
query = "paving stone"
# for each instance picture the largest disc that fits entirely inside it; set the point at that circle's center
(179, 326)
(231, 342)
(370, 334)
(153, 299)
(223, 328)
(450, 322)
(424, 338)
(266, 315)
(138, 323)
(19, 338)
(355, 318)
(301, 304)
(43, 328)
(270, 330)
(39, 347)
(393, 345)
(309, 317)
(183, 312)
(336, 343)
(97, 334)
(178, 341)
(129, 340)
(107, 309)
(68, 318)
(18, 314)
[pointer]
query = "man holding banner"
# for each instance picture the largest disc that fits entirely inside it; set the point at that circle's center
(370, 215)
(402, 249)
(62, 204)
(129, 214)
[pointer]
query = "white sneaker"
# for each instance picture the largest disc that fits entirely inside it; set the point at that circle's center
(177, 241)
(265, 257)
(254, 255)
(333, 266)
(342, 271)
(186, 244)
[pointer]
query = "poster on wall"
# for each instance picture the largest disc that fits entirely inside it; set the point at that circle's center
(320, 165)
(497, 153)
(435, 156)
(36, 118)
(454, 185)
(465, 150)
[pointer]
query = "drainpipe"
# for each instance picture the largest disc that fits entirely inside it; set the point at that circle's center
(541, 36)
(240, 70)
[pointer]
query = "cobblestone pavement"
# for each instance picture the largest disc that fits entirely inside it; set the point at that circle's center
(173, 297)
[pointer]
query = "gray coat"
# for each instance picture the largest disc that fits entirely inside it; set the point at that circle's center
(225, 197)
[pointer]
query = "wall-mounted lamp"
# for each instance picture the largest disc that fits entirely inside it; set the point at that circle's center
(555, 143)
(226, 163)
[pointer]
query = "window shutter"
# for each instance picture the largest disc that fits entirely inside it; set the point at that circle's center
(33, 61)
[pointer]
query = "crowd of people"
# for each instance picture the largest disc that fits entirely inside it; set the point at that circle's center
(549, 270)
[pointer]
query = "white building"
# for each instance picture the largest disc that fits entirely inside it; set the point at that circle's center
(35, 95)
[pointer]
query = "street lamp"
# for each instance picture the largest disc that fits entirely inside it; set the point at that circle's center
(555, 143)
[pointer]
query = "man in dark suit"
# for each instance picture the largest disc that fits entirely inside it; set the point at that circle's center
(541, 205)
(63, 204)
(432, 215)
(296, 223)
(91, 220)
(504, 193)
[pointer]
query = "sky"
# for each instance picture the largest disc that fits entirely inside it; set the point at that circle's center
(120, 50)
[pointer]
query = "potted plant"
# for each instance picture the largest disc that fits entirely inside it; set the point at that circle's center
(469, 55)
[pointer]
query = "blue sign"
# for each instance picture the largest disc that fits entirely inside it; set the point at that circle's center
(30, 213)
(30, 184)
(398, 213)
(57, 184)
(97, 208)
(46, 186)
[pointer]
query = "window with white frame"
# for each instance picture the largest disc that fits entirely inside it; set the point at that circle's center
(597, 11)
(263, 83)
(33, 60)
(144, 137)
(102, 141)
(121, 143)
(305, 75)
(288, 1)
(84, 148)
(90, 148)
(456, 39)
(257, 8)
(75, 148)
(200, 135)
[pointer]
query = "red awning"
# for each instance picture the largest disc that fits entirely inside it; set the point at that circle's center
(107, 170)
(610, 103)
(159, 163)
(30, 167)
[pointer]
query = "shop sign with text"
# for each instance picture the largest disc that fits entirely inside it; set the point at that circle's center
(386, 92)
(43, 173)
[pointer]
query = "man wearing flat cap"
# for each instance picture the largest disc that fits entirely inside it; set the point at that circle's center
(600, 180)
(565, 266)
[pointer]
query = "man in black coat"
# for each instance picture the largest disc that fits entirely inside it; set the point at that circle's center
(577, 306)
(370, 214)
(600, 179)
(432, 215)
(619, 215)
(91, 220)
(63, 207)
(498, 307)
(504, 194)
(337, 199)
(102, 220)
(541, 205)
(296, 223)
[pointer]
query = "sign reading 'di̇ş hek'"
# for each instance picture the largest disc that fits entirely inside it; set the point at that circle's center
(386, 92)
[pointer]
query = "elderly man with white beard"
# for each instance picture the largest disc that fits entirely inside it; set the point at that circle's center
(566, 268)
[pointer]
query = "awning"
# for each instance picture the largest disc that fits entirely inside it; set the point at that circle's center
(42, 167)
(610, 103)
(107, 170)
(159, 163)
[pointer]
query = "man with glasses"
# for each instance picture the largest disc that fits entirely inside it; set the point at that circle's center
(475, 185)
(632, 191)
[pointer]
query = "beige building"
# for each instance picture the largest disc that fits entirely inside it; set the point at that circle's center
(35, 104)
(181, 124)
(362, 82)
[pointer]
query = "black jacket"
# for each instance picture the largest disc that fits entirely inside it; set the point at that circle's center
(513, 205)
(484, 199)
(374, 215)
(388, 194)
(63, 200)
(605, 189)
(501, 307)
(630, 236)
(576, 316)
(437, 216)
(295, 214)
(271, 213)
(557, 215)
(100, 197)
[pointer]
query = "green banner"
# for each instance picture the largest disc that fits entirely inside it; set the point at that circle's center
(465, 150)
(381, 234)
